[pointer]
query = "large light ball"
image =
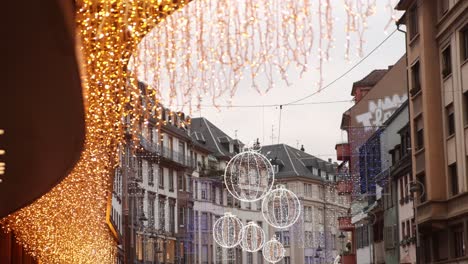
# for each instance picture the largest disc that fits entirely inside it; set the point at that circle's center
(281, 207)
(249, 176)
(273, 251)
(253, 237)
(227, 231)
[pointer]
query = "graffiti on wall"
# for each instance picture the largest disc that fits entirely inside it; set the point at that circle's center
(380, 110)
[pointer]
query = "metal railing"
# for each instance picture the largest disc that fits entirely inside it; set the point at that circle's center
(148, 145)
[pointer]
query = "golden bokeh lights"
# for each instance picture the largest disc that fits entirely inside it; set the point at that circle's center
(68, 224)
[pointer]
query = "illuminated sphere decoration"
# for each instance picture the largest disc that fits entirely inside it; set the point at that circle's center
(253, 237)
(227, 231)
(249, 176)
(281, 207)
(273, 251)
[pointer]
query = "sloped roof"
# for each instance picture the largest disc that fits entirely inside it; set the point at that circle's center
(295, 162)
(213, 137)
(370, 80)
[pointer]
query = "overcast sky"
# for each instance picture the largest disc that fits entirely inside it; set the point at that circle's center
(317, 127)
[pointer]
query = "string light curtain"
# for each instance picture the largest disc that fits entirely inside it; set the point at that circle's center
(204, 51)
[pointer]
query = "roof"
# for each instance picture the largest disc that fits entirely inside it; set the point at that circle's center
(403, 4)
(370, 80)
(211, 137)
(294, 162)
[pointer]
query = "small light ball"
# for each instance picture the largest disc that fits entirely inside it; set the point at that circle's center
(273, 251)
(253, 237)
(281, 207)
(227, 231)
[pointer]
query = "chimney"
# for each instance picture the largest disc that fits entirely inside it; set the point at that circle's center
(302, 148)
(330, 160)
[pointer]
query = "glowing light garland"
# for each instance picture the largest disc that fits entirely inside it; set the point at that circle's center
(68, 224)
(205, 50)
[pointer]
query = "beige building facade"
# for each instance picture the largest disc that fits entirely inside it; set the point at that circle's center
(437, 56)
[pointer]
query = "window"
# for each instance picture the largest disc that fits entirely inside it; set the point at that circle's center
(171, 180)
(450, 119)
(308, 260)
(320, 216)
(181, 216)
(221, 196)
(287, 260)
(260, 257)
(419, 133)
(249, 258)
(307, 214)
(413, 20)
(402, 192)
(204, 190)
(180, 181)
(204, 255)
(415, 79)
(458, 241)
(286, 238)
(446, 62)
(213, 193)
(150, 174)
(151, 199)
(204, 221)
(161, 178)
(140, 169)
(162, 215)
(452, 169)
(172, 217)
(464, 46)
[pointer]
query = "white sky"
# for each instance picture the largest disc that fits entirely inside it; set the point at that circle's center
(317, 127)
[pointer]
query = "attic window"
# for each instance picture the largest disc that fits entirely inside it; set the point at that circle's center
(199, 137)
(275, 168)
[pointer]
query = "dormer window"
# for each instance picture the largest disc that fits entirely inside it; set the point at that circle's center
(275, 168)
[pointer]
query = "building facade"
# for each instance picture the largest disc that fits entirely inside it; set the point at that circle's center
(151, 186)
(437, 54)
(377, 96)
(213, 149)
(315, 238)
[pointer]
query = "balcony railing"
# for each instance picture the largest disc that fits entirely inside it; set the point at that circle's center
(345, 187)
(342, 151)
(148, 145)
(344, 223)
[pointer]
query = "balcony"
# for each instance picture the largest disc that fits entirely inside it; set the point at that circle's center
(344, 187)
(342, 151)
(175, 158)
(344, 223)
(148, 145)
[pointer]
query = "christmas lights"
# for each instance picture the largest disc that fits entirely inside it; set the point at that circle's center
(69, 224)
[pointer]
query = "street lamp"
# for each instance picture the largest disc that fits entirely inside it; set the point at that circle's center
(342, 237)
(317, 255)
